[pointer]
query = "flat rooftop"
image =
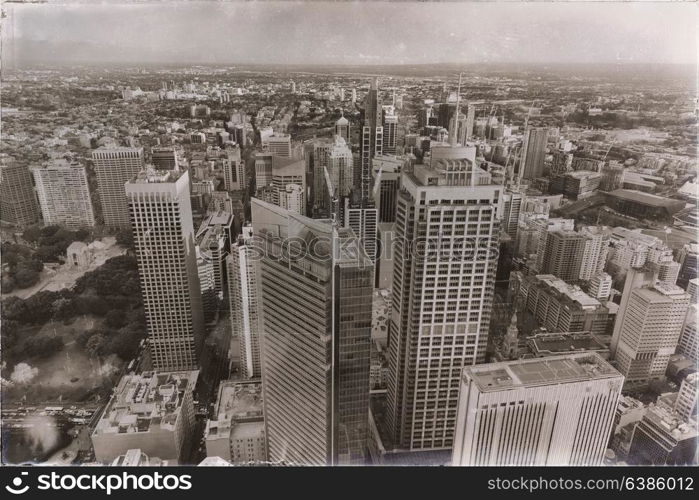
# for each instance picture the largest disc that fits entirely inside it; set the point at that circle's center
(239, 399)
(149, 176)
(147, 400)
(571, 291)
(645, 198)
(565, 342)
(539, 371)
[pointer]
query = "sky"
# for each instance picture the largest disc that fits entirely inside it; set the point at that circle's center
(353, 33)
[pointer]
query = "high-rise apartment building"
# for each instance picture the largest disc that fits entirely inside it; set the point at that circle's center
(563, 254)
(288, 183)
(340, 167)
(635, 278)
(649, 331)
(164, 158)
(371, 138)
(390, 129)
(386, 170)
(687, 397)
(161, 218)
(64, 195)
(244, 302)
(600, 286)
(551, 411)
(560, 307)
(595, 250)
(362, 217)
(688, 343)
(533, 153)
(18, 204)
(279, 145)
(542, 226)
(693, 290)
(512, 204)
(234, 177)
(444, 263)
(319, 160)
(663, 437)
(263, 170)
(689, 259)
(113, 167)
(317, 337)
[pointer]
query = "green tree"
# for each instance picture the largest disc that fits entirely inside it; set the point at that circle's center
(95, 344)
(25, 278)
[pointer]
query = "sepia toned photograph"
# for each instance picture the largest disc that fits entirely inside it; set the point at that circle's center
(263, 234)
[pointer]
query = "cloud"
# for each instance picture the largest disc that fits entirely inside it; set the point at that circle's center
(355, 32)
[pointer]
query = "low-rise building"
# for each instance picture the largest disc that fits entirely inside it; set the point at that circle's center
(151, 411)
(237, 433)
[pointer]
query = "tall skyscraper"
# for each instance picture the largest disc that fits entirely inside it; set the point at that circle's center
(390, 129)
(512, 204)
(234, 177)
(531, 163)
(362, 217)
(649, 331)
(289, 184)
(372, 137)
(319, 191)
(64, 195)
(686, 401)
(279, 145)
(340, 167)
(596, 248)
(244, 302)
(447, 233)
(317, 337)
(263, 170)
(113, 167)
(689, 259)
(557, 410)
(18, 204)
(542, 227)
(689, 340)
(387, 171)
(563, 254)
(161, 217)
(635, 278)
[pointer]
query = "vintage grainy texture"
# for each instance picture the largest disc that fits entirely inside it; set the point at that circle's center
(348, 233)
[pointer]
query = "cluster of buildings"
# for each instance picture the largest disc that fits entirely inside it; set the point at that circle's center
(290, 240)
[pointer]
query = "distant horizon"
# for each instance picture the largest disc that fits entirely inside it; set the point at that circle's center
(350, 33)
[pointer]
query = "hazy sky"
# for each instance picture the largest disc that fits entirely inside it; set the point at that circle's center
(355, 32)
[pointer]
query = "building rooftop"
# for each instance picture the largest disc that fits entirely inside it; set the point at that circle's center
(646, 198)
(539, 371)
(582, 174)
(238, 401)
(246, 430)
(573, 292)
(145, 401)
(671, 422)
(150, 176)
(559, 343)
